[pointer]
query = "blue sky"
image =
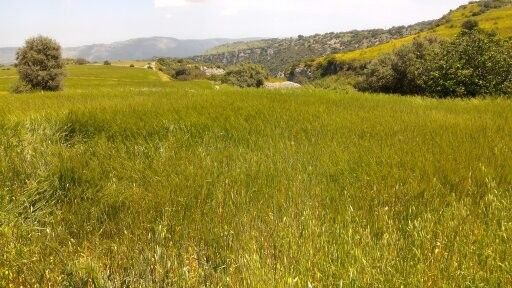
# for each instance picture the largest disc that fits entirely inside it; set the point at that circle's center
(79, 22)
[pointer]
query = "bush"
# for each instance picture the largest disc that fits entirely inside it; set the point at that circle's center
(20, 87)
(107, 63)
(400, 71)
(40, 64)
(470, 25)
(132, 66)
(189, 73)
(246, 75)
(81, 61)
(181, 69)
(474, 63)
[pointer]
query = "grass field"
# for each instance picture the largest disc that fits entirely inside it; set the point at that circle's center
(140, 64)
(124, 180)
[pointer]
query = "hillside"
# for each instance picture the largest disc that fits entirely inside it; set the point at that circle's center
(491, 17)
(279, 54)
(241, 45)
(134, 49)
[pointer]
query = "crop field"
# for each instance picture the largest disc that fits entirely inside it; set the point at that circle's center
(124, 180)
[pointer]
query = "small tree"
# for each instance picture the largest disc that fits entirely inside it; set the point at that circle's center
(40, 64)
(470, 25)
(475, 63)
(81, 61)
(188, 73)
(399, 72)
(246, 75)
(107, 63)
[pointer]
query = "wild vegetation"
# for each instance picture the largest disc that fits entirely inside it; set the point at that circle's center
(40, 66)
(277, 55)
(129, 178)
(181, 69)
(493, 16)
(122, 180)
(474, 63)
(246, 75)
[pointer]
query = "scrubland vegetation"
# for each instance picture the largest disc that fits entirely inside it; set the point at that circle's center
(122, 180)
(492, 15)
(474, 63)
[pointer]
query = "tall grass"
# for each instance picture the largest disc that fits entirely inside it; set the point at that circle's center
(122, 180)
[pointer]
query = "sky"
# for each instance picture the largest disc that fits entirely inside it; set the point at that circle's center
(81, 22)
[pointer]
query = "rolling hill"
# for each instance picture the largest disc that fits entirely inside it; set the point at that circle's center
(134, 49)
(497, 18)
(278, 55)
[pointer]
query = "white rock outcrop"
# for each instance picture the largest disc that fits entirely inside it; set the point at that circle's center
(282, 85)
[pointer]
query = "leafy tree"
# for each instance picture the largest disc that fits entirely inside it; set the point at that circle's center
(399, 72)
(107, 63)
(39, 63)
(188, 73)
(474, 63)
(246, 75)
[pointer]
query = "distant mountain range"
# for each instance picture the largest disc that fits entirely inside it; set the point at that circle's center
(135, 49)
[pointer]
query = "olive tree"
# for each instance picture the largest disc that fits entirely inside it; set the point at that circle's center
(39, 63)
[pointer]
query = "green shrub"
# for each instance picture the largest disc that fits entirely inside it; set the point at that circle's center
(107, 63)
(470, 25)
(246, 75)
(189, 73)
(399, 72)
(181, 69)
(474, 63)
(40, 64)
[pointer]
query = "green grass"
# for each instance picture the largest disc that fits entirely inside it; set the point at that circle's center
(122, 180)
(136, 63)
(499, 20)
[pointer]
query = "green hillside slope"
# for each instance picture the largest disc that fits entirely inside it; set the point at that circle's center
(499, 20)
(278, 55)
